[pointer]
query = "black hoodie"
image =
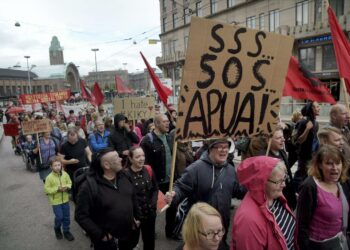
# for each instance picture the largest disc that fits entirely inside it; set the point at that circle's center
(120, 139)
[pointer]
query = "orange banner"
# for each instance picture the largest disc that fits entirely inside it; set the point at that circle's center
(45, 97)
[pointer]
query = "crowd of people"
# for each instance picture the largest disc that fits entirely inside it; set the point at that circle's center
(118, 167)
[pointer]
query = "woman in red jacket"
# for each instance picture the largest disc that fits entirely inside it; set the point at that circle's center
(263, 220)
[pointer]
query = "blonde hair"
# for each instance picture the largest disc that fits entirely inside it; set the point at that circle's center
(194, 222)
(296, 116)
(323, 134)
(328, 152)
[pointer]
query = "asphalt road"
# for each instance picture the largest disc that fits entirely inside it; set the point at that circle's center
(26, 218)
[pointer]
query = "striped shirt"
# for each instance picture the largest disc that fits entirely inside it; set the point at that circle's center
(285, 221)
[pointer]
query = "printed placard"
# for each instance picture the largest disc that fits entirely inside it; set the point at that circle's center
(232, 81)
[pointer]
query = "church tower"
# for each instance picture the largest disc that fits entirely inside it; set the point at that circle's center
(56, 52)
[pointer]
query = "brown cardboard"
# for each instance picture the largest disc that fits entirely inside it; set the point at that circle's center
(36, 126)
(240, 103)
(135, 108)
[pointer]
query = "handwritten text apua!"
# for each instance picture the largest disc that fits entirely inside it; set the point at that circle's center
(232, 81)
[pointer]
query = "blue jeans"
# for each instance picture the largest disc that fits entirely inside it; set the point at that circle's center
(62, 216)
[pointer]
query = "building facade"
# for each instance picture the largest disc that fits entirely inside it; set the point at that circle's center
(106, 79)
(305, 20)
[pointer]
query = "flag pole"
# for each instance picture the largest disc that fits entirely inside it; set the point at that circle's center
(346, 98)
(268, 147)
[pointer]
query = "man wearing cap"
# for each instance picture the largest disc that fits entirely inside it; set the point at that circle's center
(210, 179)
(101, 115)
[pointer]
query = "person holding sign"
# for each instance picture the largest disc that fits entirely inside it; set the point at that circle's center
(210, 179)
(157, 146)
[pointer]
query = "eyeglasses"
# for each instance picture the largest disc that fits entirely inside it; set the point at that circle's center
(211, 235)
(279, 182)
(221, 148)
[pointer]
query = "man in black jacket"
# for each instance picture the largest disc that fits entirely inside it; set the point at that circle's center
(121, 137)
(157, 146)
(106, 205)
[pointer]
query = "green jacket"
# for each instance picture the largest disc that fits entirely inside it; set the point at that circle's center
(52, 182)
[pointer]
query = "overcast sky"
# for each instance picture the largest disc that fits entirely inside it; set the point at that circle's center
(119, 28)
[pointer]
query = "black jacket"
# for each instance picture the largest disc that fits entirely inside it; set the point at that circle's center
(307, 204)
(119, 138)
(111, 211)
(216, 185)
(155, 154)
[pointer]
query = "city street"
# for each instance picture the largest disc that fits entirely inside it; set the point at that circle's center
(26, 218)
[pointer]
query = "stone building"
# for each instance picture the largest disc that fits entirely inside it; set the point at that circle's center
(305, 20)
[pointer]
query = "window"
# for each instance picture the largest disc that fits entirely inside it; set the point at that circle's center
(174, 20)
(187, 15)
(164, 5)
(262, 21)
(173, 47)
(328, 57)
(174, 4)
(337, 6)
(307, 58)
(213, 6)
(274, 19)
(199, 8)
(230, 3)
(185, 42)
(164, 24)
(302, 13)
(251, 22)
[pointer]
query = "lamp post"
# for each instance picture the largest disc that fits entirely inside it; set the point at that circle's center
(95, 50)
(29, 84)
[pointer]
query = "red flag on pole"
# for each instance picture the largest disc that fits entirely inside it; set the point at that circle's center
(163, 91)
(121, 89)
(302, 84)
(97, 93)
(341, 48)
(86, 94)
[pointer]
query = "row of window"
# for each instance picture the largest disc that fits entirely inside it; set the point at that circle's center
(307, 56)
(301, 13)
(14, 90)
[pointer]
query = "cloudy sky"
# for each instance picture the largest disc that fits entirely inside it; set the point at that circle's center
(119, 28)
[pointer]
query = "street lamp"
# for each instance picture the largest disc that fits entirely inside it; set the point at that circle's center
(95, 50)
(29, 84)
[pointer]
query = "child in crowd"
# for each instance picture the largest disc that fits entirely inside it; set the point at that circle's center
(56, 187)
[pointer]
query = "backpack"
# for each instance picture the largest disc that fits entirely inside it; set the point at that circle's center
(149, 171)
(80, 176)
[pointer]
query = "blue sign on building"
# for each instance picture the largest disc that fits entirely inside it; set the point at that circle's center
(317, 39)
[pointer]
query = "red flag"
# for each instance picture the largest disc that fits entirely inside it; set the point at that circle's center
(163, 91)
(98, 94)
(341, 48)
(302, 84)
(86, 94)
(120, 87)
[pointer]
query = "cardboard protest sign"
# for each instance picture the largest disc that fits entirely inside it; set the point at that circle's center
(135, 108)
(36, 126)
(232, 81)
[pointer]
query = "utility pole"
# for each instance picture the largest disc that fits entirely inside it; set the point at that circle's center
(95, 50)
(28, 70)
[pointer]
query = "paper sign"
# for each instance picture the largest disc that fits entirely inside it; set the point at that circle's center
(232, 81)
(36, 126)
(135, 108)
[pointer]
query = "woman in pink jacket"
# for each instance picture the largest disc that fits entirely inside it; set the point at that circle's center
(263, 220)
